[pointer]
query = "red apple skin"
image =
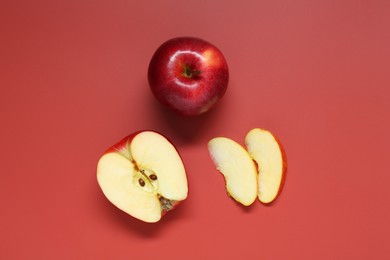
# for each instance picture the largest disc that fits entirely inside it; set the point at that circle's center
(126, 140)
(188, 75)
(122, 143)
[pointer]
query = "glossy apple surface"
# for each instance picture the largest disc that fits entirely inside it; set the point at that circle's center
(188, 75)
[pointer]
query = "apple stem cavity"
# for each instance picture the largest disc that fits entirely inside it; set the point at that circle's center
(190, 73)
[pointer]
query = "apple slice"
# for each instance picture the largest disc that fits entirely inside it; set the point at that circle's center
(269, 155)
(143, 175)
(238, 168)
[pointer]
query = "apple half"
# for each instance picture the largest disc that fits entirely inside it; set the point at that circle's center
(259, 171)
(143, 175)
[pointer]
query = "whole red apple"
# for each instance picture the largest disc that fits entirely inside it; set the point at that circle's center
(188, 75)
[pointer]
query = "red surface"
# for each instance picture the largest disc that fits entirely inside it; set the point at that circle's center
(73, 82)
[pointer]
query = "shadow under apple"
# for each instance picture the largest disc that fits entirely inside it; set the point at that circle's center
(188, 129)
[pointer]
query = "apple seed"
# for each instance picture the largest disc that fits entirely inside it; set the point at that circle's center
(141, 182)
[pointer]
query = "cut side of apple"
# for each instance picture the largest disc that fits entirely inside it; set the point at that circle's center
(269, 155)
(143, 175)
(238, 168)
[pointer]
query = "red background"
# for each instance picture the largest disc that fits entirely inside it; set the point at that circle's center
(73, 82)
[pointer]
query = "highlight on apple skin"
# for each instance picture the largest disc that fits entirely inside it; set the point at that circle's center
(143, 175)
(188, 75)
(259, 171)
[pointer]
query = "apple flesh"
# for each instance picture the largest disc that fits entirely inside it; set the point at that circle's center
(143, 175)
(259, 171)
(188, 75)
(268, 153)
(238, 168)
